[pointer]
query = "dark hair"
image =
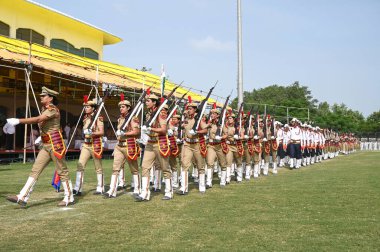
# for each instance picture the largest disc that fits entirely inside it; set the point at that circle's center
(54, 101)
(156, 102)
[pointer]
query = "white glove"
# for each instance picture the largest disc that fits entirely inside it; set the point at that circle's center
(192, 132)
(148, 130)
(13, 121)
(218, 138)
(246, 137)
(236, 137)
(256, 137)
(170, 132)
(272, 137)
(87, 132)
(179, 141)
(105, 139)
(120, 133)
(145, 129)
(265, 139)
(38, 140)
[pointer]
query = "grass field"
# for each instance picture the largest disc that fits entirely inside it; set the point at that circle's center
(332, 206)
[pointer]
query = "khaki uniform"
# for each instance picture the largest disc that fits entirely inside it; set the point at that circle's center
(248, 156)
(257, 153)
(190, 150)
(86, 153)
(151, 154)
(124, 152)
(173, 159)
(46, 154)
(232, 154)
(214, 150)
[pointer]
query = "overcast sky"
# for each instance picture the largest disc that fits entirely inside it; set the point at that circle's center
(330, 46)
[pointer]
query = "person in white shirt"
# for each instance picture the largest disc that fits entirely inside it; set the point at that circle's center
(317, 141)
(9, 131)
(286, 142)
(280, 141)
(67, 131)
(295, 145)
(304, 142)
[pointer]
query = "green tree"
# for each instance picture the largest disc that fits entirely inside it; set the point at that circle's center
(277, 98)
(296, 101)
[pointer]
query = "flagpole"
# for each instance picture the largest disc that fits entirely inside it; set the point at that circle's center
(240, 60)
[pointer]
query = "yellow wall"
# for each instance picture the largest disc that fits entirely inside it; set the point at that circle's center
(22, 14)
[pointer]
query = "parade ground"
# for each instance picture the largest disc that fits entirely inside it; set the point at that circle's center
(330, 206)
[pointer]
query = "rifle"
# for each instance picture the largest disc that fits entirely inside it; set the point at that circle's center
(106, 94)
(238, 119)
(247, 125)
(222, 118)
(256, 126)
(136, 109)
(265, 127)
(272, 127)
(176, 105)
(153, 118)
(202, 107)
(182, 119)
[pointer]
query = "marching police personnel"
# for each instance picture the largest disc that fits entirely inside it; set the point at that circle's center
(53, 149)
(155, 150)
(175, 148)
(258, 150)
(126, 150)
(214, 150)
(235, 152)
(191, 149)
(92, 147)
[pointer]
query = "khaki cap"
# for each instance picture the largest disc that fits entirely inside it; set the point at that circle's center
(92, 102)
(124, 102)
(192, 104)
(215, 111)
(47, 91)
(152, 97)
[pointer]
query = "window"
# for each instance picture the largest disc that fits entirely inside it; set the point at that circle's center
(59, 44)
(89, 53)
(4, 29)
(67, 47)
(30, 36)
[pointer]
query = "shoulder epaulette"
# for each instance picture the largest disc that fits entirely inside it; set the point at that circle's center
(136, 119)
(51, 107)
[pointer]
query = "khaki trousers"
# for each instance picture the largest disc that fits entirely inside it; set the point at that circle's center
(233, 155)
(247, 156)
(173, 163)
(214, 151)
(43, 158)
(85, 155)
(190, 151)
(119, 158)
(257, 157)
(152, 153)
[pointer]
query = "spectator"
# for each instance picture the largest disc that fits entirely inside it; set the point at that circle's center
(33, 136)
(9, 131)
(67, 131)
